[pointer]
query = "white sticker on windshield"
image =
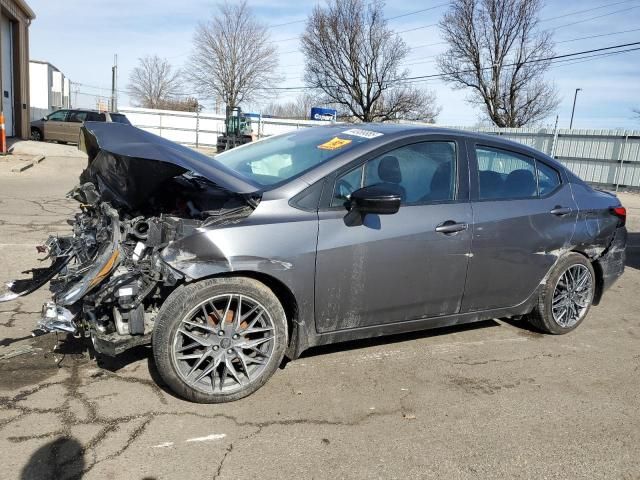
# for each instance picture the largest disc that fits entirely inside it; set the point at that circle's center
(357, 132)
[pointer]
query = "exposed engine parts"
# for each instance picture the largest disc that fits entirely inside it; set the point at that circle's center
(108, 278)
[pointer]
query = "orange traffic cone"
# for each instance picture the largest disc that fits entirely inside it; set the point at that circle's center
(3, 136)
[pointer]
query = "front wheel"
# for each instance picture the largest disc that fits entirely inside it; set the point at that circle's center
(566, 297)
(220, 339)
(36, 135)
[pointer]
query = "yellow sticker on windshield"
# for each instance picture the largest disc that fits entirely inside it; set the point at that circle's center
(334, 144)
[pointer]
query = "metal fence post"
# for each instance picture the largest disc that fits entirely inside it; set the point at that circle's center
(621, 158)
(554, 142)
(197, 126)
(160, 124)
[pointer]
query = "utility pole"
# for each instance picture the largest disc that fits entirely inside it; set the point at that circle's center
(114, 84)
(575, 95)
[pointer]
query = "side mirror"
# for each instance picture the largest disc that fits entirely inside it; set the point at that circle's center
(44, 119)
(380, 199)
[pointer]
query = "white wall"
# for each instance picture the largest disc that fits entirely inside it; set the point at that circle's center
(181, 126)
(38, 85)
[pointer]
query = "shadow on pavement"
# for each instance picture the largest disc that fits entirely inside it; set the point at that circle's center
(399, 338)
(59, 459)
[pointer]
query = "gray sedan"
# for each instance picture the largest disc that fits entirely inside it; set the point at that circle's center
(228, 265)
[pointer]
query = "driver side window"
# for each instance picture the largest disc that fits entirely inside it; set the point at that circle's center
(58, 116)
(423, 172)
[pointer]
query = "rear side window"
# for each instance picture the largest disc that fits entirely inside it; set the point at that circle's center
(119, 118)
(96, 117)
(77, 117)
(504, 174)
(548, 178)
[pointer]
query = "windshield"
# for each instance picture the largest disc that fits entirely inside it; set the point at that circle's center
(283, 157)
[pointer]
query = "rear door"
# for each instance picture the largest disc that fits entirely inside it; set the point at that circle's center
(55, 126)
(392, 268)
(524, 216)
(75, 119)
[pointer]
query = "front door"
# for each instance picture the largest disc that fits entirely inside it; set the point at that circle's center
(524, 217)
(408, 265)
(55, 126)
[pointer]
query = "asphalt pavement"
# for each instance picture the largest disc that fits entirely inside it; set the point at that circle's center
(492, 400)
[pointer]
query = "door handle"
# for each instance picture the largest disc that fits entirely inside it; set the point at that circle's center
(560, 211)
(450, 226)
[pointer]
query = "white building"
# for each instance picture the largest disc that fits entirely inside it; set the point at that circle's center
(49, 89)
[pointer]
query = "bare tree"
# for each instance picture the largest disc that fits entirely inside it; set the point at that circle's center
(498, 52)
(153, 82)
(188, 104)
(233, 59)
(300, 108)
(353, 59)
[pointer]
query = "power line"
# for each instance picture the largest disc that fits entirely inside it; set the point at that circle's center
(440, 75)
(597, 36)
(555, 64)
(417, 28)
(594, 18)
(442, 43)
(546, 59)
(286, 23)
(585, 11)
(390, 18)
(423, 10)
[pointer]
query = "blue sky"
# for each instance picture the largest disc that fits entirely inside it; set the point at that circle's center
(80, 37)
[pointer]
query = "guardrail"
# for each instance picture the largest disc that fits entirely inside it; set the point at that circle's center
(608, 158)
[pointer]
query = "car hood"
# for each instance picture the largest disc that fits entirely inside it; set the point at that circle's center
(134, 148)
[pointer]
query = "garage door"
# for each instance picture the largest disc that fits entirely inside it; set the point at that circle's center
(6, 44)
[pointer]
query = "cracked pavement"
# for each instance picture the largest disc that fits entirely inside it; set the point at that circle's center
(491, 400)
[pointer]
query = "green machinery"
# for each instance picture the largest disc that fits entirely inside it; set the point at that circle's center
(237, 130)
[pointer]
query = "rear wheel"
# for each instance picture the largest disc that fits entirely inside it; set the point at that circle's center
(220, 339)
(566, 297)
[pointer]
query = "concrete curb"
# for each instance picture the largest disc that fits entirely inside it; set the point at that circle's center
(27, 165)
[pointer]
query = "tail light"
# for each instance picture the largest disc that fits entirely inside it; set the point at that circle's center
(621, 213)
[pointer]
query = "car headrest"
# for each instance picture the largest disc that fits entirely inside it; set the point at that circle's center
(520, 183)
(490, 182)
(441, 179)
(389, 170)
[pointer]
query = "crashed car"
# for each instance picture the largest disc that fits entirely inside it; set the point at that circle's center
(227, 265)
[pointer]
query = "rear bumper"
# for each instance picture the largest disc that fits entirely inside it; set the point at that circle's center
(610, 266)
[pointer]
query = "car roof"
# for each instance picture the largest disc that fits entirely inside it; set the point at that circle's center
(399, 130)
(92, 110)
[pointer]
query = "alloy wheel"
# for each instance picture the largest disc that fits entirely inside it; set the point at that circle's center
(572, 295)
(223, 344)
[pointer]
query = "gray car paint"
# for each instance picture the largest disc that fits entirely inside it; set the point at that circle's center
(393, 273)
(514, 244)
(515, 241)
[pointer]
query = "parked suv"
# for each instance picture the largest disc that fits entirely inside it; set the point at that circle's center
(64, 125)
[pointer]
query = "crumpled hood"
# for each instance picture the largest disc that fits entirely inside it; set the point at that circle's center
(131, 144)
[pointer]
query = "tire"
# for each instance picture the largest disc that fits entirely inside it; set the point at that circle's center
(219, 356)
(561, 308)
(36, 135)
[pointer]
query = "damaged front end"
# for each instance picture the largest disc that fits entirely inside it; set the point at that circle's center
(108, 278)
